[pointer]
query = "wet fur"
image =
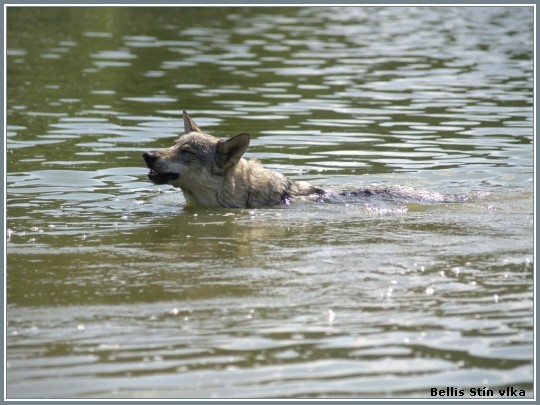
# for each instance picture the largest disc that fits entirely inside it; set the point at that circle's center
(211, 172)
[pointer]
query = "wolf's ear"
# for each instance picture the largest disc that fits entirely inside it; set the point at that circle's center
(189, 124)
(230, 151)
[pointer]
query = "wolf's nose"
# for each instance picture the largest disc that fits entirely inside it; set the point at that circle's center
(149, 157)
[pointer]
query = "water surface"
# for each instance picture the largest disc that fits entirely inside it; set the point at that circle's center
(116, 289)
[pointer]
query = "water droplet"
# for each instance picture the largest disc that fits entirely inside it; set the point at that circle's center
(81, 327)
(430, 291)
(331, 315)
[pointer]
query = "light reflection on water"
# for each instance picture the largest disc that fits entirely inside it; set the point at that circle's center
(116, 289)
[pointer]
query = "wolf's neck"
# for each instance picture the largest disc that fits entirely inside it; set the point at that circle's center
(250, 185)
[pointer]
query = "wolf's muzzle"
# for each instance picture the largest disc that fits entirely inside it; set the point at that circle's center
(154, 176)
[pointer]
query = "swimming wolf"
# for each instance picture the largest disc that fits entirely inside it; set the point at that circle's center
(211, 172)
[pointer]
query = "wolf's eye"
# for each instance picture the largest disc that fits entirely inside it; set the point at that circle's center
(187, 152)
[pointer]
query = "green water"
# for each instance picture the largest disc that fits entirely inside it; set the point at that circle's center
(116, 289)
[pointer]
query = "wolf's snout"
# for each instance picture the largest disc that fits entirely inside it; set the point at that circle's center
(156, 175)
(149, 158)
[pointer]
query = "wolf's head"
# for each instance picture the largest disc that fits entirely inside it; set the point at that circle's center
(196, 162)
